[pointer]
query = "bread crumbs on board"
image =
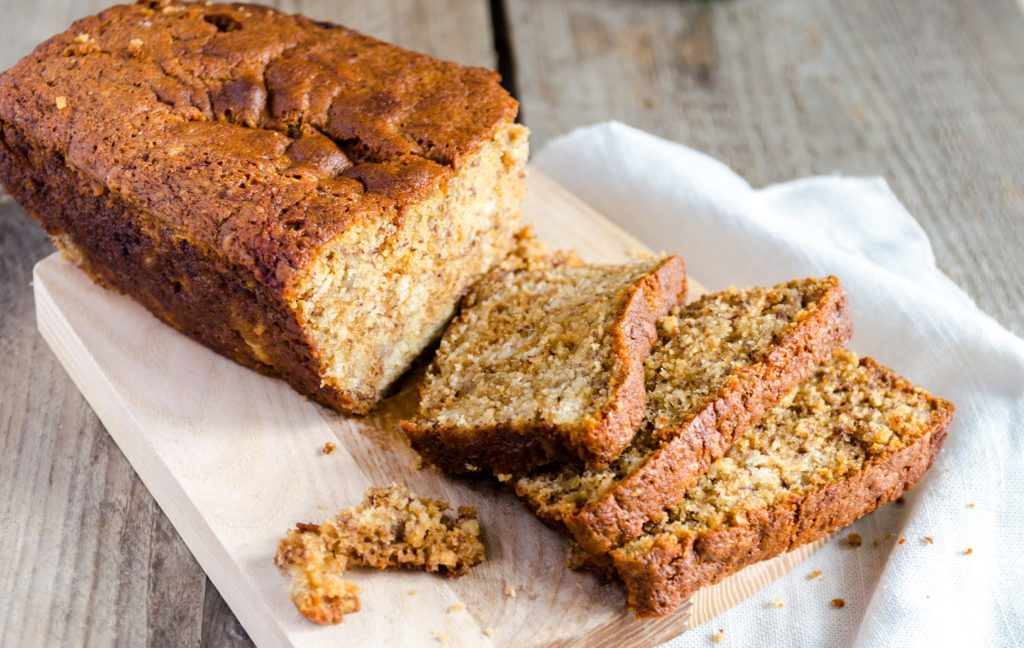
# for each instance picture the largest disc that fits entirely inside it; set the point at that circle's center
(854, 539)
(489, 632)
(838, 603)
(510, 591)
(329, 447)
(814, 574)
(718, 637)
(968, 551)
(458, 607)
(929, 539)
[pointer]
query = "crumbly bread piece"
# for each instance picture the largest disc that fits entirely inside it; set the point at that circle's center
(316, 584)
(850, 438)
(306, 200)
(392, 528)
(718, 365)
(544, 363)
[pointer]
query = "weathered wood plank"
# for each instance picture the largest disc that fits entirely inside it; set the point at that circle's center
(927, 95)
(89, 557)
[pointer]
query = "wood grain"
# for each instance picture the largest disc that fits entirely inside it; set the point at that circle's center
(234, 459)
(927, 95)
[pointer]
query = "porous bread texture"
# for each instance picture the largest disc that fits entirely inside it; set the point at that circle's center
(306, 200)
(542, 363)
(848, 439)
(718, 365)
(316, 582)
(383, 294)
(393, 528)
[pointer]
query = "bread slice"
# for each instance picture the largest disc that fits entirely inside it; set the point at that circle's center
(719, 364)
(543, 363)
(394, 528)
(850, 438)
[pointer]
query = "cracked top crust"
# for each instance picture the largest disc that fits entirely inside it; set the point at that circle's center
(257, 134)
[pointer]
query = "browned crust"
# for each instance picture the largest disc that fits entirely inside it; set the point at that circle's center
(662, 480)
(205, 171)
(514, 450)
(675, 567)
(610, 431)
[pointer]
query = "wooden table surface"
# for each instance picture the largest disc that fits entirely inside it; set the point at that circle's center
(928, 95)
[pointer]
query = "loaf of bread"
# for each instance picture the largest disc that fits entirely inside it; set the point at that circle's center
(718, 365)
(306, 200)
(850, 438)
(544, 363)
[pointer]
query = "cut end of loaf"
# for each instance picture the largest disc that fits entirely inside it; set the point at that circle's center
(381, 295)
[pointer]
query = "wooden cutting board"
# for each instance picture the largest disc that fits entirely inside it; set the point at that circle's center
(234, 459)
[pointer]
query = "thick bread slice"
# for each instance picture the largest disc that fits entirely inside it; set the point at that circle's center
(850, 438)
(719, 364)
(544, 363)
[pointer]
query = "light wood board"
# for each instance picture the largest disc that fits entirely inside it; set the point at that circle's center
(234, 459)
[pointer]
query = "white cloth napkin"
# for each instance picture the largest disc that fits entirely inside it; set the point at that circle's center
(909, 316)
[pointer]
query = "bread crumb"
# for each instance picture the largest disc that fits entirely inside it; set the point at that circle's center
(134, 46)
(874, 543)
(504, 477)
(854, 539)
(413, 592)
(510, 591)
(330, 447)
(814, 574)
(82, 38)
(968, 551)
(440, 636)
(902, 540)
(61, 102)
(458, 607)
(489, 632)
(838, 603)
(929, 539)
(777, 602)
(471, 468)
(971, 505)
(718, 637)
(417, 462)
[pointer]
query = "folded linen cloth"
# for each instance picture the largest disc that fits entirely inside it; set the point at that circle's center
(958, 577)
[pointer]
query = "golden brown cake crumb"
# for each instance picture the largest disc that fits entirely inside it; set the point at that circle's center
(329, 447)
(489, 632)
(718, 365)
(968, 551)
(854, 539)
(902, 540)
(850, 438)
(510, 591)
(929, 539)
(814, 574)
(838, 603)
(718, 637)
(61, 102)
(458, 607)
(394, 528)
(542, 362)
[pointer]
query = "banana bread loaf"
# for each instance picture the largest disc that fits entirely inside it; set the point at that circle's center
(850, 438)
(306, 200)
(718, 365)
(544, 363)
